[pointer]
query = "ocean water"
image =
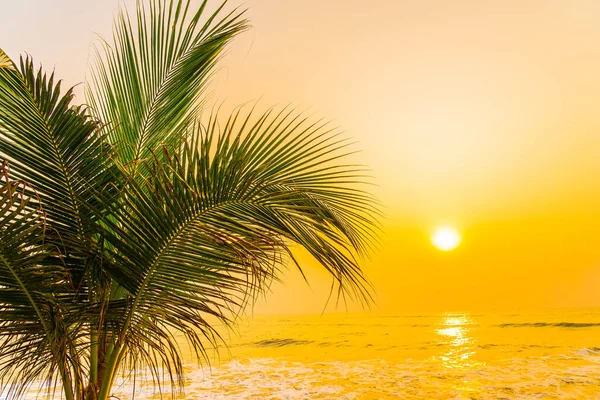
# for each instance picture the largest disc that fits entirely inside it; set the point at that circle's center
(552, 354)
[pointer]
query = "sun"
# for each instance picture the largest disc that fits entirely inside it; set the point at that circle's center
(445, 238)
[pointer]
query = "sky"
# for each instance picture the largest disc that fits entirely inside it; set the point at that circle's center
(482, 115)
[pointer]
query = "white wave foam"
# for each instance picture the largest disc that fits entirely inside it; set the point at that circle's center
(572, 376)
(270, 378)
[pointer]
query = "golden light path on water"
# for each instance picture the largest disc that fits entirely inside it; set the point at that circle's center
(456, 329)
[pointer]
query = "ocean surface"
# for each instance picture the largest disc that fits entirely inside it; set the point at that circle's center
(552, 354)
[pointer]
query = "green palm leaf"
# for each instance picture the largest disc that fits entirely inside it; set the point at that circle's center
(55, 148)
(31, 326)
(149, 82)
(5, 61)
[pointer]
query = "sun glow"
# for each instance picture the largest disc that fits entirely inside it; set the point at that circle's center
(445, 238)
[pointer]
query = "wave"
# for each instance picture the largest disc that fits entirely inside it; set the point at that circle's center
(281, 342)
(588, 351)
(344, 343)
(523, 378)
(557, 376)
(550, 325)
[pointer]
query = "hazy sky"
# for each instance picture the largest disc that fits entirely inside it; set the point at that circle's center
(480, 114)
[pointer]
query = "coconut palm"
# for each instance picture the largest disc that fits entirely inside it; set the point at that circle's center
(138, 220)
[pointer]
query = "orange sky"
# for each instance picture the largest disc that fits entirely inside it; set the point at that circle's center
(479, 114)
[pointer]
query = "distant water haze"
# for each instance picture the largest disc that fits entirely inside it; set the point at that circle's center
(478, 115)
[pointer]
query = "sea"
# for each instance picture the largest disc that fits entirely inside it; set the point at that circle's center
(539, 354)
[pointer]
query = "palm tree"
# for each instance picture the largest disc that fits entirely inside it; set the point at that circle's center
(139, 218)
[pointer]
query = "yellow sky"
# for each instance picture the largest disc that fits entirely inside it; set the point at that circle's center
(479, 114)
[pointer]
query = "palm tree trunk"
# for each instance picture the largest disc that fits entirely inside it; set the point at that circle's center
(114, 355)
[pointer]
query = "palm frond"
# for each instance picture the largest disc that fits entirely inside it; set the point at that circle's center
(148, 83)
(216, 222)
(290, 171)
(5, 61)
(30, 285)
(55, 148)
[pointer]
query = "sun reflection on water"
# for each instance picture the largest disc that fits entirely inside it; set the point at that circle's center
(456, 331)
(458, 340)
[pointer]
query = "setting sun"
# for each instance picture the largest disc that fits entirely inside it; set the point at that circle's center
(445, 238)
